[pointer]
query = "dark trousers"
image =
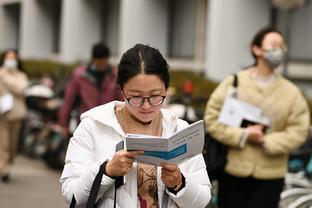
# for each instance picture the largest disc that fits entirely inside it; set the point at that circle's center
(235, 192)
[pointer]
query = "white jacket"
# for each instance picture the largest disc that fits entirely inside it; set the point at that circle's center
(94, 142)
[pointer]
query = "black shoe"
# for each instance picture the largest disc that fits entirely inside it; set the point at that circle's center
(5, 177)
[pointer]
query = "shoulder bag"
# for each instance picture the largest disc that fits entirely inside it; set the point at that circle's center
(215, 153)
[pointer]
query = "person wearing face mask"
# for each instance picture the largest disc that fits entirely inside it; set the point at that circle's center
(13, 82)
(89, 86)
(257, 155)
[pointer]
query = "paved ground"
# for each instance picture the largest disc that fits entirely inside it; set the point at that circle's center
(32, 185)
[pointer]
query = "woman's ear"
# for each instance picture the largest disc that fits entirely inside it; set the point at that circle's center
(257, 50)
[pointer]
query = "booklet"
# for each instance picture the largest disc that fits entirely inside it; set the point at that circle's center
(6, 103)
(180, 146)
(237, 113)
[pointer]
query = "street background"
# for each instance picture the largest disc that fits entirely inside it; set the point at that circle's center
(204, 41)
(32, 184)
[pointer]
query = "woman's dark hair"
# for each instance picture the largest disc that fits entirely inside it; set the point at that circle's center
(4, 54)
(258, 39)
(142, 59)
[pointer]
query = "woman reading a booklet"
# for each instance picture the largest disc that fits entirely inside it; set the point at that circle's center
(258, 151)
(144, 79)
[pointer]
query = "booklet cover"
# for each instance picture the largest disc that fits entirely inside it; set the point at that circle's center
(181, 145)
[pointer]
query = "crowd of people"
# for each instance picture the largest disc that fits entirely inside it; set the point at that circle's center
(111, 102)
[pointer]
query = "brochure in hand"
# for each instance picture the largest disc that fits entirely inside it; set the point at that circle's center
(181, 145)
(237, 113)
(6, 103)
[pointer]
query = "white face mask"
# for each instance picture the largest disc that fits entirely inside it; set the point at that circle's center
(10, 64)
(274, 57)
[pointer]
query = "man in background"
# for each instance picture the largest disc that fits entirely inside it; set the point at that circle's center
(89, 86)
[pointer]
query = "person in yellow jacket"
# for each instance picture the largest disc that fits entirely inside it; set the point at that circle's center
(13, 82)
(257, 158)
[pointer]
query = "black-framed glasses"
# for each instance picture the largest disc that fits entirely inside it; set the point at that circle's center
(137, 101)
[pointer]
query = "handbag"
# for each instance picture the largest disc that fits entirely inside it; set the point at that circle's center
(215, 153)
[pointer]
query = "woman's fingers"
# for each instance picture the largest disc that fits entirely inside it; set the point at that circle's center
(122, 162)
(126, 168)
(126, 160)
(169, 167)
(133, 154)
(170, 175)
(169, 180)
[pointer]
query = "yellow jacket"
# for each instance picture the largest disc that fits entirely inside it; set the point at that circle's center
(283, 104)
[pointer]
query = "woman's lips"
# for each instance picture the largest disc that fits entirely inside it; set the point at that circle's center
(146, 112)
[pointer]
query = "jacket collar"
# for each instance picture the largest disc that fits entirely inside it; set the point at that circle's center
(91, 76)
(105, 114)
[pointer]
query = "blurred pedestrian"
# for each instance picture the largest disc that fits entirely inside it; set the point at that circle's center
(144, 79)
(89, 86)
(257, 157)
(13, 82)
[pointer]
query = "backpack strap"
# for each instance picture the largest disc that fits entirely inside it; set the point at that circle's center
(95, 187)
(94, 190)
(235, 81)
(73, 202)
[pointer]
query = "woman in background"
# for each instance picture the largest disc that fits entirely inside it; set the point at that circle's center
(258, 156)
(13, 82)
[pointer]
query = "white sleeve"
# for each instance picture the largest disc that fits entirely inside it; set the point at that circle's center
(80, 166)
(196, 192)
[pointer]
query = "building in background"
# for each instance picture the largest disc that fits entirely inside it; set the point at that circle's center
(210, 36)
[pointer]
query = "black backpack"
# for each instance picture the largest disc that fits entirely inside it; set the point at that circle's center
(214, 152)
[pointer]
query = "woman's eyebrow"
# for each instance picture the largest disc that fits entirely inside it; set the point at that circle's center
(139, 91)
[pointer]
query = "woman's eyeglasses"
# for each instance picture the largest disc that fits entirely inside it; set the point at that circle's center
(138, 101)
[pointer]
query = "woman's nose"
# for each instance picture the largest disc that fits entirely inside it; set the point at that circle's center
(146, 104)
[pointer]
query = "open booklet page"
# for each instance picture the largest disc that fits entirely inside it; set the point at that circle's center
(174, 150)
